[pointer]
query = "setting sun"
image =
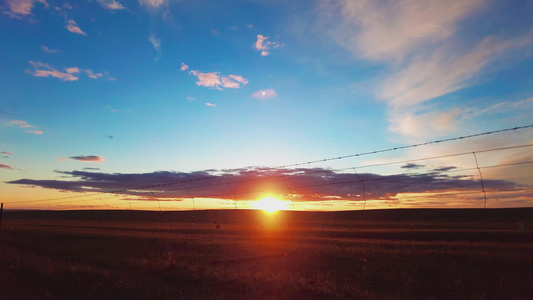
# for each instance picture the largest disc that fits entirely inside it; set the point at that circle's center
(270, 204)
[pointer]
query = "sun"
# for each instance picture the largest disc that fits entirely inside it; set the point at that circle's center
(270, 204)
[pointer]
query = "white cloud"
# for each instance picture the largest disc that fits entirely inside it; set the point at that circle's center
(153, 3)
(111, 4)
(73, 27)
(156, 42)
(264, 94)
(210, 104)
(184, 67)
(418, 41)
(50, 51)
(392, 30)
(265, 46)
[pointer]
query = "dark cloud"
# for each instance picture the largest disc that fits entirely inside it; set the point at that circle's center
(88, 158)
(91, 169)
(444, 169)
(302, 184)
(412, 166)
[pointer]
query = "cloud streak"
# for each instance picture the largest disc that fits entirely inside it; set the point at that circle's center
(23, 124)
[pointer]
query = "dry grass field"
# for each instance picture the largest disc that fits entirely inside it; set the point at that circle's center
(387, 254)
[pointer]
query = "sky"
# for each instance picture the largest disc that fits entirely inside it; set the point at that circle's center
(163, 105)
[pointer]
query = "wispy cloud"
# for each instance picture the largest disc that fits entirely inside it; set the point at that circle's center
(70, 74)
(214, 80)
(36, 132)
(184, 67)
(7, 153)
(264, 94)
(73, 27)
(261, 44)
(25, 125)
(50, 51)
(419, 42)
(210, 104)
(19, 8)
(111, 4)
(153, 3)
(44, 70)
(7, 167)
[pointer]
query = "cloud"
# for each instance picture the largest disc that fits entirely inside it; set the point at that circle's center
(153, 3)
(23, 124)
(111, 4)
(73, 27)
(422, 44)
(36, 132)
(264, 94)
(7, 153)
(214, 80)
(412, 166)
(45, 70)
(314, 184)
(210, 104)
(109, 137)
(391, 30)
(261, 44)
(190, 98)
(87, 158)
(8, 167)
(184, 67)
(50, 51)
(22, 7)
(156, 42)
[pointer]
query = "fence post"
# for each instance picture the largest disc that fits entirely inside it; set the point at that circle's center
(1, 210)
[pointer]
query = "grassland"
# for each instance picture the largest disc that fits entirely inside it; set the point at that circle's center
(388, 254)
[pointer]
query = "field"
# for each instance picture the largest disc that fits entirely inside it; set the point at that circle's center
(245, 254)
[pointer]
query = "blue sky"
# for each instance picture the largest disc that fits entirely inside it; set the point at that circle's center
(140, 87)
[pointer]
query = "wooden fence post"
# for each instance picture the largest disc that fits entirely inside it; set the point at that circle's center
(1, 210)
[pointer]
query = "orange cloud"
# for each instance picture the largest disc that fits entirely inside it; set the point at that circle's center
(8, 167)
(213, 80)
(73, 27)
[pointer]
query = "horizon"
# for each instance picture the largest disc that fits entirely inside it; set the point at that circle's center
(316, 105)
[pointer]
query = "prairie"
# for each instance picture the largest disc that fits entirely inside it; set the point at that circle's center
(247, 254)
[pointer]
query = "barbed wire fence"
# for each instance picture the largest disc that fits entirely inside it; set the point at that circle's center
(288, 182)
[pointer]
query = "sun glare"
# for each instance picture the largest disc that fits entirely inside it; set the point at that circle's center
(270, 204)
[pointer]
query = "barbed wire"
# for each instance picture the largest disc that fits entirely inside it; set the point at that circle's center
(85, 195)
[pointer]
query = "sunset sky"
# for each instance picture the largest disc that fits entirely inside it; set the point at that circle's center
(217, 104)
